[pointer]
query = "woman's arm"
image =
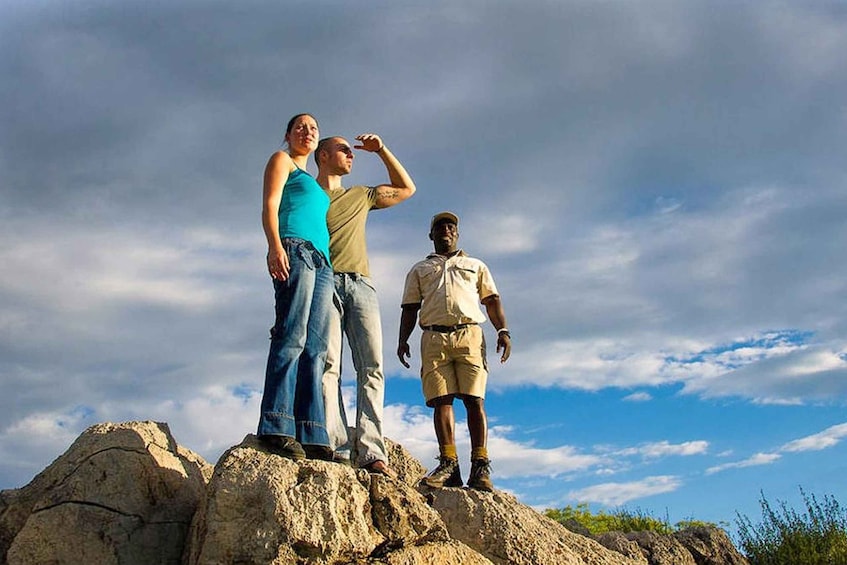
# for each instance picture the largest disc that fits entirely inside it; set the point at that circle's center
(276, 174)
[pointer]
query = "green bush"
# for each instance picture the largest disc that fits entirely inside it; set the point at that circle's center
(785, 537)
(621, 520)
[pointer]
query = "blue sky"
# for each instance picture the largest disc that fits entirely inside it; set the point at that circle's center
(658, 187)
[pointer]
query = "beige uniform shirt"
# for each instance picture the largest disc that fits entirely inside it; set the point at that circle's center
(449, 289)
(348, 213)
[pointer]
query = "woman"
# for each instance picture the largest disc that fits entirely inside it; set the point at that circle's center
(292, 423)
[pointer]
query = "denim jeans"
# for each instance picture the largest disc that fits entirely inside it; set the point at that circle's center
(357, 316)
(292, 404)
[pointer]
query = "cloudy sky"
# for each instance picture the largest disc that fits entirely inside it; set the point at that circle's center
(659, 188)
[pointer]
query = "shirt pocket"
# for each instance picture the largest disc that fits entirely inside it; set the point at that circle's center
(466, 276)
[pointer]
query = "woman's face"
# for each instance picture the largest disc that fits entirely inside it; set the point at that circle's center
(304, 135)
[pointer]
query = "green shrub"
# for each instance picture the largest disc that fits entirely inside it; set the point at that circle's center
(621, 520)
(785, 537)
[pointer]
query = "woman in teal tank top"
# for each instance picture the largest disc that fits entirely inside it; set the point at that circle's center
(292, 421)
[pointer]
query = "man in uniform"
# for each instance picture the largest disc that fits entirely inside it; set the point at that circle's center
(447, 288)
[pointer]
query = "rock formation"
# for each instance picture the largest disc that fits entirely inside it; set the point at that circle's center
(710, 546)
(128, 494)
(122, 493)
(506, 531)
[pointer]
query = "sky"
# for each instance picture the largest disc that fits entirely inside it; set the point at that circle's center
(659, 189)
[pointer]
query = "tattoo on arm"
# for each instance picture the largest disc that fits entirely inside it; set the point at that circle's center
(389, 193)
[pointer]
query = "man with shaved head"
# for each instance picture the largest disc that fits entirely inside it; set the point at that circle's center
(357, 310)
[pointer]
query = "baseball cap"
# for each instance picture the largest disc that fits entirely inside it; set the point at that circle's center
(444, 216)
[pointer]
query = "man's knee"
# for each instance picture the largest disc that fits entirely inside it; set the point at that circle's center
(441, 401)
(473, 402)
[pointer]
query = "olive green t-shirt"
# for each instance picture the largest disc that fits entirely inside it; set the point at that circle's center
(348, 213)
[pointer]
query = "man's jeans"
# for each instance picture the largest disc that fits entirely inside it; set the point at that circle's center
(292, 404)
(359, 320)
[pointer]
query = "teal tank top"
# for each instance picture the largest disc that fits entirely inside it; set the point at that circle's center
(302, 211)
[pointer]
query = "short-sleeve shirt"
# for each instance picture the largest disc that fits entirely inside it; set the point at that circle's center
(346, 219)
(449, 289)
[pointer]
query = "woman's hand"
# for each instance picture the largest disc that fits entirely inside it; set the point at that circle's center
(278, 264)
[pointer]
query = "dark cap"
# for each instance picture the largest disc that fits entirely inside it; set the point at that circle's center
(444, 216)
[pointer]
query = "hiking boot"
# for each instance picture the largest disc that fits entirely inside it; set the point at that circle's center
(322, 452)
(283, 446)
(480, 478)
(447, 474)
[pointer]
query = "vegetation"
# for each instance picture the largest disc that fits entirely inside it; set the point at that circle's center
(620, 520)
(816, 537)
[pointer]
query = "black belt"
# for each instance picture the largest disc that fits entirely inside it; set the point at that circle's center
(448, 329)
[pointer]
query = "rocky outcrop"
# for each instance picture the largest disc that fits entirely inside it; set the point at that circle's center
(408, 469)
(508, 532)
(661, 549)
(261, 508)
(127, 493)
(700, 545)
(122, 493)
(617, 541)
(710, 546)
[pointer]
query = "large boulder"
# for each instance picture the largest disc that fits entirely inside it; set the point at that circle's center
(122, 493)
(617, 541)
(508, 532)
(661, 549)
(698, 545)
(710, 546)
(261, 508)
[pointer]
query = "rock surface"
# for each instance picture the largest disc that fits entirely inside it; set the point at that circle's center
(508, 532)
(126, 493)
(122, 493)
(617, 541)
(261, 508)
(710, 546)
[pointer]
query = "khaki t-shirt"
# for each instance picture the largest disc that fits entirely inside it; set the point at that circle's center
(348, 213)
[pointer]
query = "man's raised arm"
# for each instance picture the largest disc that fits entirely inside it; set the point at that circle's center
(401, 185)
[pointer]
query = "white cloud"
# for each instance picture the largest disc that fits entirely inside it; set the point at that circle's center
(616, 494)
(754, 461)
(666, 449)
(638, 397)
(504, 234)
(784, 374)
(822, 440)
(28, 445)
(105, 269)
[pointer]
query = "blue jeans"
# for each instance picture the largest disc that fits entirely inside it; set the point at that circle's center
(292, 404)
(358, 318)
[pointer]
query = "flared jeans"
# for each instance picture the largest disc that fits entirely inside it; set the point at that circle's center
(292, 404)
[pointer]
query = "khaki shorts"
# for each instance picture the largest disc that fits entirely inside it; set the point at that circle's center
(453, 363)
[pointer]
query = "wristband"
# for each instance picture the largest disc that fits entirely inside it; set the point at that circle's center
(504, 331)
